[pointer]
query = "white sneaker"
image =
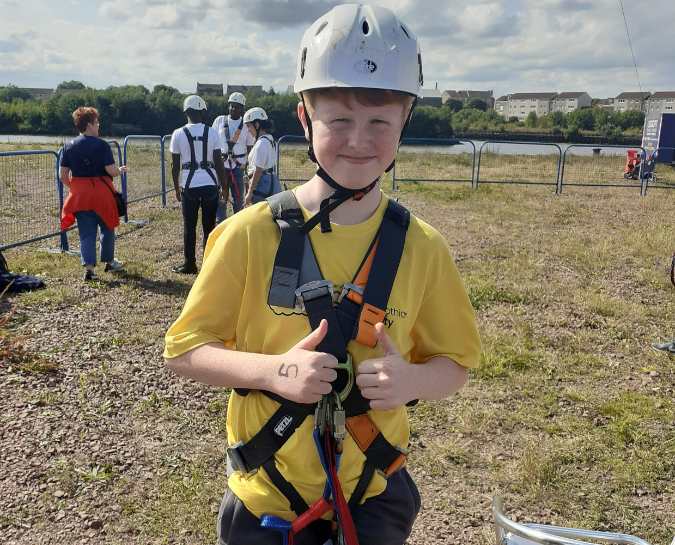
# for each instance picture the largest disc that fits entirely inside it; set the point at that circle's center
(114, 266)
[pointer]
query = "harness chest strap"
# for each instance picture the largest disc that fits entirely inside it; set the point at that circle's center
(231, 142)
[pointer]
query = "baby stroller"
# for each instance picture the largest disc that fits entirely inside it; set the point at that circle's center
(513, 533)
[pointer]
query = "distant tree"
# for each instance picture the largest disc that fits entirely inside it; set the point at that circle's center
(70, 86)
(557, 119)
(271, 92)
(629, 119)
(513, 119)
(12, 92)
(476, 104)
(454, 105)
(531, 120)
(583, 119)
(166, 90)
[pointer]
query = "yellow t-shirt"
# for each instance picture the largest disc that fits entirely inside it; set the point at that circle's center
(428, 314)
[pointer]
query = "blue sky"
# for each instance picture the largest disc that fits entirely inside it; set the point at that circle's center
(503, 45)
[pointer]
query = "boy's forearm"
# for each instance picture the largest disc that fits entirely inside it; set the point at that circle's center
(215, 365)
(438, 378)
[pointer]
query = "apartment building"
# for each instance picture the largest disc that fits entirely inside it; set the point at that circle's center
(571, 101)
(631, 101)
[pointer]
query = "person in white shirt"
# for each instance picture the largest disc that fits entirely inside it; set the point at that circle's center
(197, 171)
(236, 143)
(262, 160)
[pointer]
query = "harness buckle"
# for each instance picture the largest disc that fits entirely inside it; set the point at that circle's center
(353, 292)
(235, 459)
(313, 290)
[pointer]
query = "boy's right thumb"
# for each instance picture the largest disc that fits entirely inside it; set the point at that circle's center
(311, 341)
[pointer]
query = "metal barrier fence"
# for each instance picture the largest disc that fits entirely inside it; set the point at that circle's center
(451, 161)
(663, 174)
(294, 165)
(167, 180)
(531, 166)
(144, 155)
(590, 165)
(439, 160)
(29, 197)
(30, 208)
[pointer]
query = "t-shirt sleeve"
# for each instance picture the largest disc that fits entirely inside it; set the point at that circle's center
(65, 157)
(262, 153)
(211, 311)
(213, 137)
(106, 153)
(174, 146)
(446, 323)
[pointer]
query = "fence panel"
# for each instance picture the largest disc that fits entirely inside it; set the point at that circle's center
(663, 174)
(166, 186)
(293, 165)
(523, 163)
(143, 156)
(29, 199)
(435, 160)
(592, 165)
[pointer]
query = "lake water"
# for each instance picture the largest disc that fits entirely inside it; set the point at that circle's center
(511, 148)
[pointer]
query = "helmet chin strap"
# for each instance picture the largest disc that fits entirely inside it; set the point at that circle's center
(341, 194)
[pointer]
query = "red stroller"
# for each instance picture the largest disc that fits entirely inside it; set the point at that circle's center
(632, 169)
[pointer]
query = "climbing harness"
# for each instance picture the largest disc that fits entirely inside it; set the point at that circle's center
(204, 164)
(297, 285)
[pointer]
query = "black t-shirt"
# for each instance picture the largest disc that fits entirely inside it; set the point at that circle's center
(87, 156)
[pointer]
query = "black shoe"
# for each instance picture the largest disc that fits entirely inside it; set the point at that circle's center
(89, 274)
(185, 268)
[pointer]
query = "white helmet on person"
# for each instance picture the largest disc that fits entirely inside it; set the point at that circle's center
(237, 98)
(194, 102)
(255, 114)
(356, 45)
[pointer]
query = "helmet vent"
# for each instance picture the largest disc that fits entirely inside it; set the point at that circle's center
(405, 31)
(318, 30)
(302, 62)
(365, 27)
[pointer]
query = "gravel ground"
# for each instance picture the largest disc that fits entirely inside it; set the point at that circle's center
(102, 444)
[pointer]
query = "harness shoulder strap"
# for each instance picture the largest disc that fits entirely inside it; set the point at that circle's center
(295, 263)
(193, 159)
(390, 243)
(205, 154)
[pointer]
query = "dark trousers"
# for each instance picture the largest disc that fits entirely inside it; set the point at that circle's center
(206, 198)
(386, 519)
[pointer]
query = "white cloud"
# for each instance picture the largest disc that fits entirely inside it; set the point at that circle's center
(504, 45)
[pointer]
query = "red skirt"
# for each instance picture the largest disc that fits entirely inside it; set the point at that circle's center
(90, 195)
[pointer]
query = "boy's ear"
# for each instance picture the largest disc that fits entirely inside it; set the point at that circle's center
(302, 113)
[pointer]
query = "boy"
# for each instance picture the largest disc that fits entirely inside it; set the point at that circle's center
(236, 143)
(359, 72)
(197, 171)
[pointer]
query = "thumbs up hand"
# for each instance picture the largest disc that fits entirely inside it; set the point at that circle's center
(385, 381)
(302, 374)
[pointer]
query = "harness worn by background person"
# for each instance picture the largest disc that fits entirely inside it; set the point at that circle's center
(198, 176)
(236, 142)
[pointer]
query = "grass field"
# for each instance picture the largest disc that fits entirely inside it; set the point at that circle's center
(571, 417)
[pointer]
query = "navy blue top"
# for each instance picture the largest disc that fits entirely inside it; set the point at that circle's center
(87, 156)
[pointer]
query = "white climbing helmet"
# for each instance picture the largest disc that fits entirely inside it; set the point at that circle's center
(356, 45)
(238, 98)
(194, 102)
(255, 114)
